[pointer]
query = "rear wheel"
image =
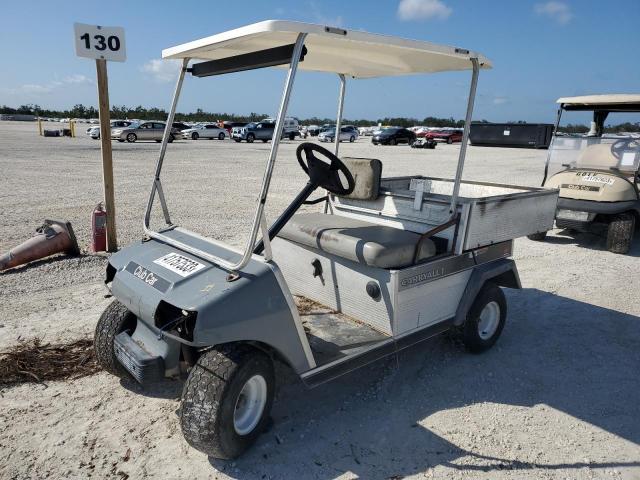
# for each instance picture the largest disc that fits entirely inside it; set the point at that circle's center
(485, 320)
(292, 136)
(132, 137)
(227, 399)
(195, 136)
(392, 141)
(449, 140)
(537, 237)
(114, 320)
(352, 139)
(221, 136)
(171, 138)
(620, 233)
(264, 140)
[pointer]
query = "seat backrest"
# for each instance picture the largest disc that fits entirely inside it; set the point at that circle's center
(366, 173)
(598, 155)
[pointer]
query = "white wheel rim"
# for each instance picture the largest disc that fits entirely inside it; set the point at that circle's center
(489, 320)
(250, 405)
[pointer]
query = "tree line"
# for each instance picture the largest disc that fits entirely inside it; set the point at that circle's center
(154, 113)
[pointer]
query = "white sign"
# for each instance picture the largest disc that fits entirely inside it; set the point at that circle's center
(179, 264)
(101, 43)
(506, 133)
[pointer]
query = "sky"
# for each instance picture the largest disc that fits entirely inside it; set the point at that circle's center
(541, 50)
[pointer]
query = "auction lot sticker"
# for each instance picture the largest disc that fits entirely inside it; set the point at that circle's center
(179, 264)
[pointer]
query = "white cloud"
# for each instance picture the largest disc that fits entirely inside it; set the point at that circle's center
(45, 88)
(320, 17)
(499, 100)
(162, 70)
(557, 11)
(423, 10)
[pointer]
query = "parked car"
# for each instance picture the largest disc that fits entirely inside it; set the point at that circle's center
(422, 142)
(180, 126)
(254, 131)
(290, 129)
(393, 136)
(348, 133)
(143, 131)
(449, 136)
(94, 132)
(229, 126)
(313, 130)
(208, 130)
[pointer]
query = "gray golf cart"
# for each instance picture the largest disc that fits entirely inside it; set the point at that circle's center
(388, 263)
(598, 174)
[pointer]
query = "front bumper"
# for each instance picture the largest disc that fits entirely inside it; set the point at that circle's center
(142, 366)
(601, 208)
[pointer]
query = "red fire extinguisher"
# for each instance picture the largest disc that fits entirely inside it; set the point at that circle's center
(99, 229)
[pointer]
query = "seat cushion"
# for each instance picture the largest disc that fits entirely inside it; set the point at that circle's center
(367, 243)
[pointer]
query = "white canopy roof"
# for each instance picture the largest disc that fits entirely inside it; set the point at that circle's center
(609, 99)
(351, 52)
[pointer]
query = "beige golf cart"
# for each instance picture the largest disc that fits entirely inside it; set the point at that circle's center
(597, 173)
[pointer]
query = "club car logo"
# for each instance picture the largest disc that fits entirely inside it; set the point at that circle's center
(145, 275)
(422, 277)
(179, 264)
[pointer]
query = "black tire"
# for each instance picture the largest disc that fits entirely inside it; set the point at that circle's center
(470, 331)
(264, 140)
(221, 136)
(250, 138)
(537, 237)
(449, 141)
(392, 141)
(292, 136)
(132, 137)
(171, 138)
(352, 139)
(210, 396)
(114, 320)
(195, 136)
(120, 140)
(237, 140)
(620, 233)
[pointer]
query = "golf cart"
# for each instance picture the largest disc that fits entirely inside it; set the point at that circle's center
(598, 174)
(388, 263)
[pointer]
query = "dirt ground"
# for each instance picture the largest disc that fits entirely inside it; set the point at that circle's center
(558, 397)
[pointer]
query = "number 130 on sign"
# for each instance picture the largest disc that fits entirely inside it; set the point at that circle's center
(99, 42)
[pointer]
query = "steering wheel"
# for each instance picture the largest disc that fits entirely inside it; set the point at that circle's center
(323, 174)
(618, 147)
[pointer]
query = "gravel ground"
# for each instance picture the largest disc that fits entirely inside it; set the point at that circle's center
(558, 397)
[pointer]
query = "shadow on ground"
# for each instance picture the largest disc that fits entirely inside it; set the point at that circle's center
(576, 358)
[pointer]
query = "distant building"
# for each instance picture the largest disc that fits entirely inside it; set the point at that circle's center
(17, 117)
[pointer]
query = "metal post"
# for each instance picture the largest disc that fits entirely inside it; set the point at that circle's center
(553, 134)
(465, 135)
(339, 116)
(163, 149)
(275, 142)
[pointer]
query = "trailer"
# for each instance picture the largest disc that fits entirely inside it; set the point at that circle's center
(522, 135)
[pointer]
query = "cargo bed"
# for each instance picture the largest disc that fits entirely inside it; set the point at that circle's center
(489, 212)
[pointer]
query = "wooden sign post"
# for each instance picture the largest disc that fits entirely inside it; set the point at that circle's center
(103, 44)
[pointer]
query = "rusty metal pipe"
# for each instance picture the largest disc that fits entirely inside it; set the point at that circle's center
(52, 237)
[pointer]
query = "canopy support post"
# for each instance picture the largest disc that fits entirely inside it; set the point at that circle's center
(156, 186)
(465, 135)
(555, 131)
(343, 82)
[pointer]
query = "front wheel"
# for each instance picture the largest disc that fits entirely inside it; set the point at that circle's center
(227, 399)
(114, 320)
(250, 138)
(221, 136)
(352, 139)
(485, 320)
(292, 136)
(392, 141)
(171, 138)
(132, 137)
(195, 136)
(449, 140)
(620, 233)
